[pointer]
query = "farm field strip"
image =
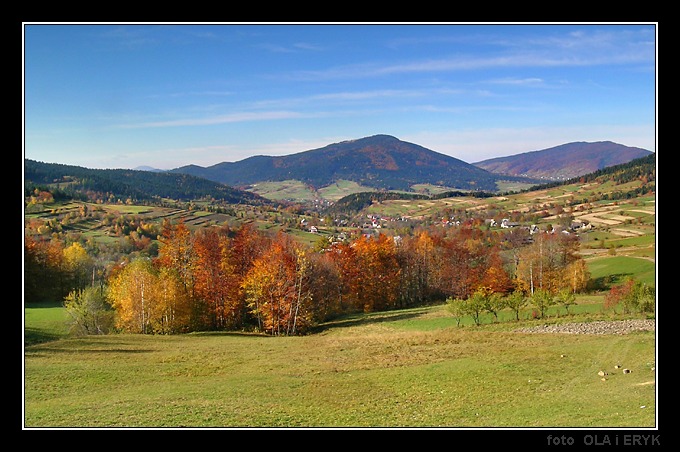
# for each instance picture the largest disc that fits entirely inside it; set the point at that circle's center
(627, 232)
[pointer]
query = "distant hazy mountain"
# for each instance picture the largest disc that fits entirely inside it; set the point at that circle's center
(564, 161)
(379, 161)
(148, 168)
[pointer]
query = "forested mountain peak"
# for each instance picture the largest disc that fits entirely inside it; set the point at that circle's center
(379, 161)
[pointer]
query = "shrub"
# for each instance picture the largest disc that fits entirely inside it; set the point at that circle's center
(89, 311)
(632, 296)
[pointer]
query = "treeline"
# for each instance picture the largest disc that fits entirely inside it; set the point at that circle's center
(355, 202)
(222, 279)
(52, 269)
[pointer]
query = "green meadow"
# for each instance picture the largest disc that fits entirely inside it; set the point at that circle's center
(402, 369)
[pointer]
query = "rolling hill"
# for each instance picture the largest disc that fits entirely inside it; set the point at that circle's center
(133, 184)
(565, 161)
(379, 161)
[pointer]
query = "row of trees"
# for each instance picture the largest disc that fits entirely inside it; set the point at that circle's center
(631, 296)
(486, 301)
(223, 279)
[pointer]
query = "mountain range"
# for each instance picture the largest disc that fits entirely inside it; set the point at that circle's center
(565, 161)
(379, 161)
(385, 162)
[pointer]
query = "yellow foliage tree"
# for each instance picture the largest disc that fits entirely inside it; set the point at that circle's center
(172, 311)
(77, 263)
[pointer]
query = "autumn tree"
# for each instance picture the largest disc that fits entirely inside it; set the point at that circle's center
(418, 259)
(454, 276)
(550, 263)
(177, 252)
(379, 273)
(133, 295)
(215, 285)
(277, 289)
(173, 307)
(343, 258)
(495, 277)
(149, 300)
(78, 265)
(632, 295)
(325, 285)
(576, 276)
(44, 270)
(248, 245)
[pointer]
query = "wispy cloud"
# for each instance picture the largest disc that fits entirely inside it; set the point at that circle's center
(531, 81)
(331, 106)
(289, 48)
(218, 119)
(191, 94)
(466, 64)
(129, 37)
(365, 95)
(570, 49)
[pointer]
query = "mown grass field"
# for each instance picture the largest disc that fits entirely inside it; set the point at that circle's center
(410, 368)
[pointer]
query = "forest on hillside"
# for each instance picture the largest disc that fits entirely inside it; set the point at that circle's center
(111, 185)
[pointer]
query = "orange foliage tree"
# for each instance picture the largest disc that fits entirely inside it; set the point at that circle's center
(215, 284)
(277, 288)
(377, 273)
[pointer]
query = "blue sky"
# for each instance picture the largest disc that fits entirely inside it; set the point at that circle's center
(172, 94)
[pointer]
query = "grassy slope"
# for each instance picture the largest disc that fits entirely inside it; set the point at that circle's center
(615, 269)
(301, 192)
(411, 368)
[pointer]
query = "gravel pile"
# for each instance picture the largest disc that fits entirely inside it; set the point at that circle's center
(597, 327)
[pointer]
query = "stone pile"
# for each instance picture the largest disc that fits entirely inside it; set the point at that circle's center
(596, 327)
